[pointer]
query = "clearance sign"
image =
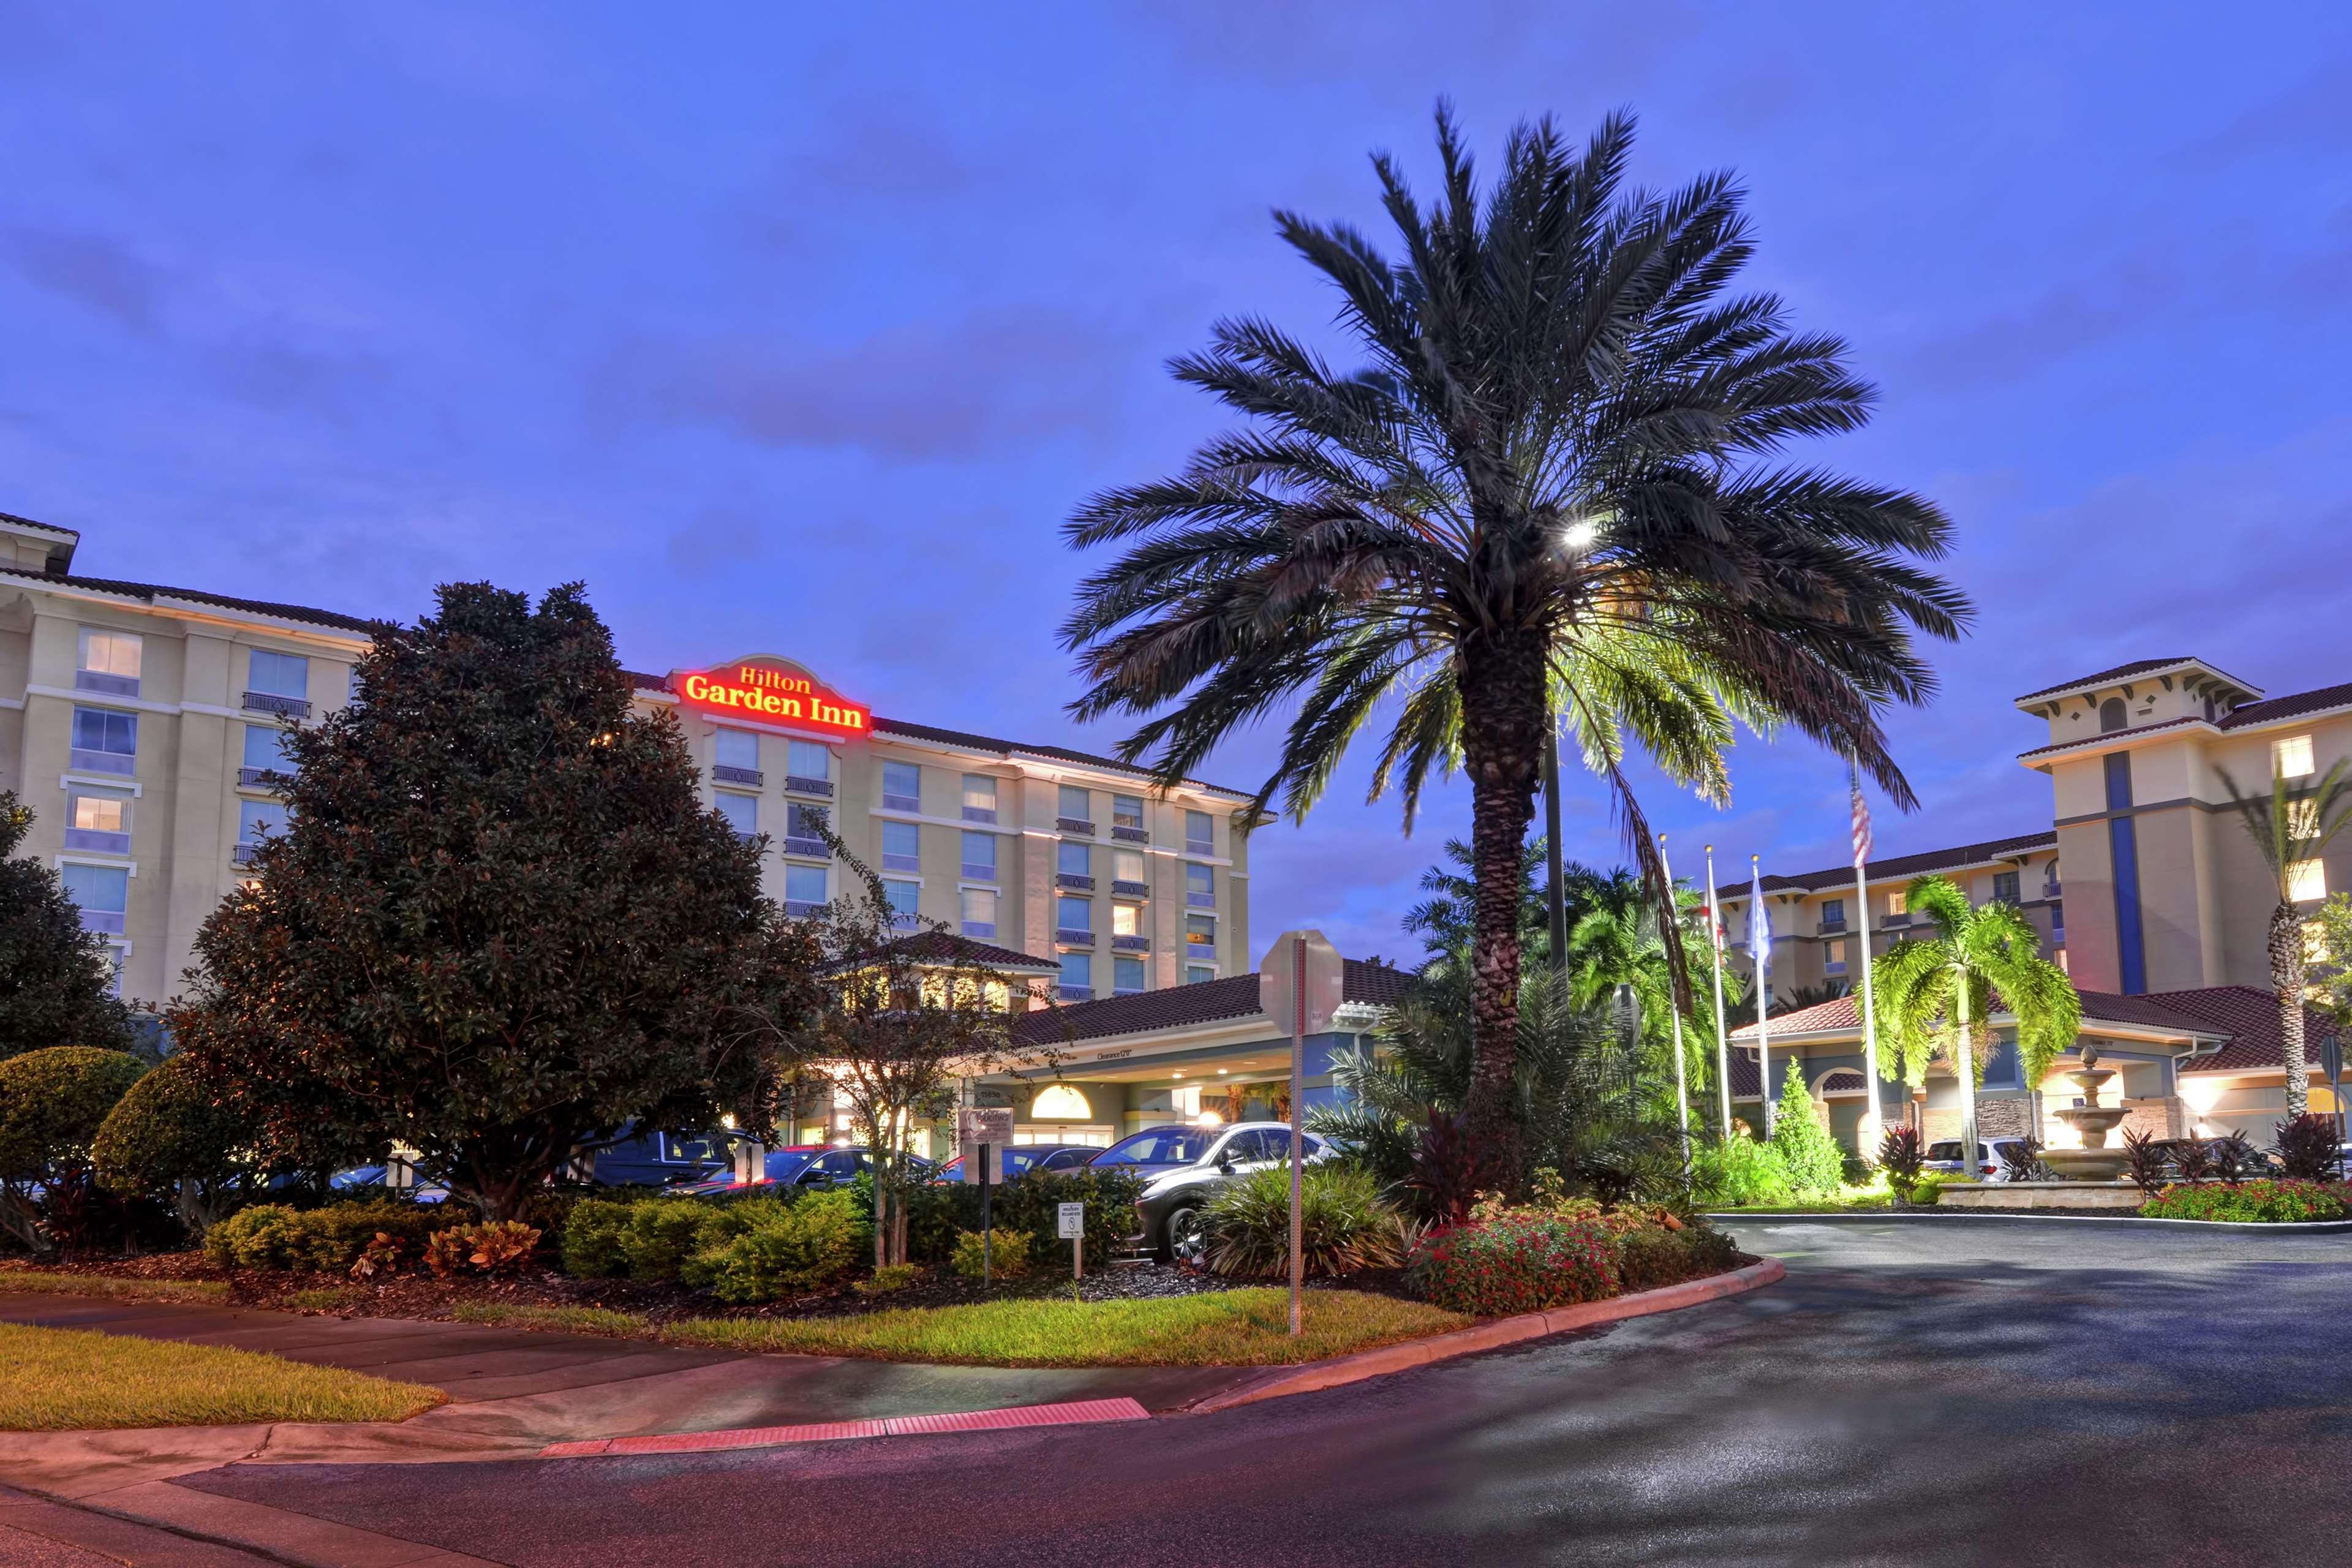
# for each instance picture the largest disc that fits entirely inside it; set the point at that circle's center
(771, 689)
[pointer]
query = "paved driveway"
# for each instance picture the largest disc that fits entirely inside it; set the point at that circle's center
(1966, 1394)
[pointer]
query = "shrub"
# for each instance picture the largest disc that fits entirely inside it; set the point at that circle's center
(1450, 1170)
(2307, 1148)
(662, 1233)
(1648, 1259)
(2235, 1159)
(1902, 1156)
(592, 1239)
(783, 1249)
(498, 1247)
(888, 1278)
(169, 1135)
(2147, 1164)
(1008, 1254)
(274, 1236)
(1344, 1225)
(1521, 1261)
(52, 1104)
(1812, 1156)
(1739, 1172)
(2263, 1202)
(938, 1213)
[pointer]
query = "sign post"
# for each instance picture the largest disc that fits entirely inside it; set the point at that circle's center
(1071, 1221)
(981, 1134)
(1300, 986)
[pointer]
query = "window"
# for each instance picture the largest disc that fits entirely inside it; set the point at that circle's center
(742, 811)
(980, 857)
(677, 1150)
(1196, 973)
(800, 830)
(99, 822)
(979, 911)
(2004, 887)
(807, 760)
(1834, 957)
(902, 897)
(2303, 818)
(902, 847)
(277, 673)
(265, 749)
(1074, 859)
(103, 893)
(902, 786)
(2111, 715)
(2291, 758)
(737, 749)
(105, 741)
(1201, 887)
(1077, 978)
(1832, 911)
(804, 888)
(1125, 976)
(257, 819)
(1073, 915)
(1127, 920)
(1200, 833)
(1127, 866)
(1199, 931)
(1077, 803)
(1127, 811)
(1898, 906)
(2306, 880)
(979, 798)
(108, 662)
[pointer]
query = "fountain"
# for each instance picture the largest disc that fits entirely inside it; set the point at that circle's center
(2093, 1162)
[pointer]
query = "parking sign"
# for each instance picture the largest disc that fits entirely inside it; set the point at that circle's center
(1073, 1221)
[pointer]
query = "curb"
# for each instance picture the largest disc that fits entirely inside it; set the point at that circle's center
(1364, 1364)
(2015, 1217)
(1072, 1412)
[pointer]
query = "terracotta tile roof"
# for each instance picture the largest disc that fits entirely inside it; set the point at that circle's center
(11, 519)
(2150, 1012)
(2120, 672)
(150, 592)
(2288, 707)
(1903, 864)
(950, 946)
(2249, 1014)
(1187, 1006)
(2133, 733)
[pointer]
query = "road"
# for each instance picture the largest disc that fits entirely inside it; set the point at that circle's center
(1909, 1395)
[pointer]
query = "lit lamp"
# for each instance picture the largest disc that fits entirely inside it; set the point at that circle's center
(2202, 1095)
(1060, 1102)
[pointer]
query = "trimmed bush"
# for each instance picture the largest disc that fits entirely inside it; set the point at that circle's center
(275, 1236)
(1521, 1261)
(1649, 1258)
(592, 1239)
(168, 1135)
(1811, 1157)
(1343, 1224)
(1738, 1171)
(662, 1233)
(1006, 1254)
(784, 1250)
(52, 1106)
(2252, 1202)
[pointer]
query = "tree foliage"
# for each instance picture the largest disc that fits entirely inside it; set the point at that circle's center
(1928, 990)
(52, 1104)
(2291, 826)
(56, 982)
(1808, 1153)
(1549, 492)
(174, 1135)
(501, 924)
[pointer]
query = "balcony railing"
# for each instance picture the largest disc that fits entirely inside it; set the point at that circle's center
(794, 784)
(1126, 834)
(1077, 825)
(107, 923)
(1127, 889)
(985, 929)
(1897, 922)
(111, 684)
(1069, 938)
(903, 802)
(1131, 945)
(813, 848)
(270, 702)
(727, 772)
(1199, 846)
(261, 778)
(902, 862)
(246, 848)
(1077, 993)
(804, 909)
(1201, 900)
(1073, 879)
(97, 840)
(986, 814)
(91, 761)
(977, 873)
(1832, 928)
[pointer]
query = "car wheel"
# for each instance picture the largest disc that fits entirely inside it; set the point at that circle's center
(1184, 1235)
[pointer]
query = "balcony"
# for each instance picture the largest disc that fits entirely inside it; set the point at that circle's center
(242, 855)
(1076, 992)
(797, 784)
(906, 802)
(2052, 890)
(985, 929)
(1896, 922)
(985, 814)
(1072, 879)
(97, 840)
(809, 849)
(261, 778)
(727, 772)
(1200, 901)
(901, 862)
(977, 873)
(89, 761)
(1126, 834)
(804, 909)
(283, 707)
(746, 835)
(1127, 889)
(1201, 846)
(109, 685)
(1131, 945)
(1069, 938)
(1077, 825)
(1831, 928)
(106, 923)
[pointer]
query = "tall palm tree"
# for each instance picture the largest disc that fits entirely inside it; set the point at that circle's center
(2291, 827)
(1546, 496)
(1935, 994)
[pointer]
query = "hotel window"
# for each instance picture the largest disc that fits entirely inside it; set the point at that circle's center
(979, 798)
(1196, 973)
(2306, 880)
(902, 896)
(979, 911)
(2291, 758)
(1073, 859)
(1127, 866)
(265, 752)
(108, 662)
(102, 893)
(256, 820)
(283, 676)
(1077, 978)
(1199, 931)
(2004, 888)
(1201, 887)
(1898, 908)
(1076, 916)
(1200, 833)
(902, 786)
(806, 761)
(802, 831)
(1126, 817)
(2303, 818)
(1125, 976)
(902, 847)
(980, 857)
(105, 741)
(738, 751)
(742, 811)
(99, 822)
(1127, 920)
(1077, 806)
(805, 890)
(1832, 913)
(1834, 957)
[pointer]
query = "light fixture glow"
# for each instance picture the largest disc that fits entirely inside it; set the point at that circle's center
(1222, 1071)
(1581, 534)
(1060, 1102)
(2202, 1093)
(1208, 1118)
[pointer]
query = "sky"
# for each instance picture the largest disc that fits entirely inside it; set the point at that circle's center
(801, 330)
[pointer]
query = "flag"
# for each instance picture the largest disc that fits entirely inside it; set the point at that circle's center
(1760, 923)
(1861, 825)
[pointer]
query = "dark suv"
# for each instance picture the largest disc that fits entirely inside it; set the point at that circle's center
(1184, 1167)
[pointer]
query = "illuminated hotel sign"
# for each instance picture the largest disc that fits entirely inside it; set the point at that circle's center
(771, 689)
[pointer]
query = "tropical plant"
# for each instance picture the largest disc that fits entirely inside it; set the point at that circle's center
(1547, 498)
(171, 1134)
(2308, 1148)
(1738, 1171)
(2291, 826)
(1344, 1225)
(2235, 1158)
(2327, 964)
(1446, 920)
(52, 1104)
(1617, 948)
(501, 923)
(57, 981)
(2193, 1160)
(2149, 1168)
(1813, 1160)
(1649, 1258)
(277, 1235)
(1934, 994)
(1902, 1156)
(2020, 1160)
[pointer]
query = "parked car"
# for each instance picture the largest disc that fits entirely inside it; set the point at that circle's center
(802, 1166)
(1948, 1157)
(1184, 1167)
(1019, 1159)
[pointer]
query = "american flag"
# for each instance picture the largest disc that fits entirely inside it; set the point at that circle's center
(1861, 825)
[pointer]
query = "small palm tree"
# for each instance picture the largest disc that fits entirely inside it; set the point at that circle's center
(1934, 994)
(1620, 944)
(1547, 497)
(2291, 827)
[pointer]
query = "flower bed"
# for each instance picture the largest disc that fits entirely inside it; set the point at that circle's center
(1559, 1251)
(2252, 1202)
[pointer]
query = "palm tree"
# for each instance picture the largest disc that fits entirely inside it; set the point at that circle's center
(1546, 497)
(1443, 920)
(1935, 994)
(2291, 827)
(1619, 944)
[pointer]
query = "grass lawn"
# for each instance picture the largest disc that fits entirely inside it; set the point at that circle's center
(45, 1282)
(60, 1379)
(1857, 1205)
(1223, 1328)
(564, 1319)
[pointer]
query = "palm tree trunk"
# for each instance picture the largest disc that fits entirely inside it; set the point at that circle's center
(1506, 721)
(1964, 1058)
(2286, 979)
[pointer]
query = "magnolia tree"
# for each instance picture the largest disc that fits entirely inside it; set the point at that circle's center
(906, 1016)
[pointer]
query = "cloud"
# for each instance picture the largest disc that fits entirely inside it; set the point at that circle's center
(2307, 120)
(719, 537)
(2060, 320)
(94, 271)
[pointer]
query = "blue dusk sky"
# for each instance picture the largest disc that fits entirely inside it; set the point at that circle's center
(801, 330)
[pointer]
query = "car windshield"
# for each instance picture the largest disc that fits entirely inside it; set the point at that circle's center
(1943, 1151)
(783, 1164)
(1158, 1146)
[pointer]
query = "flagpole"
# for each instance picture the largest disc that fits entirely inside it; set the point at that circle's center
(1759, 942)
(1873, 1130)
(1673, 1005)
(1722, 1037)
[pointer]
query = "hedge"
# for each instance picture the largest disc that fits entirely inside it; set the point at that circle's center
(277, 1236)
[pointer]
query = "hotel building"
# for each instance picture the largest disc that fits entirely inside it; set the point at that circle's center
(2160, 914)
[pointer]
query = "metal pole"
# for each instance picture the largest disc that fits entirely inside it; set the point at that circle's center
(981, 1150)
(1873, 1127)
(1714, 964)
(1556, 900)
(1298, 1120)
(1673, 1006)
(1759, 933)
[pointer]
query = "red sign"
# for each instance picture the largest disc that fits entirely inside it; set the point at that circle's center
(772, 690)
